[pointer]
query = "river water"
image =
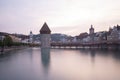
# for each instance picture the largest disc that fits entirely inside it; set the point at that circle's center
(60, 64)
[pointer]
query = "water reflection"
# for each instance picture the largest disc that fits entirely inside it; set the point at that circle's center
(60, 64)
(116, 55)
(92, 54)
(103, 53)
(45, 59)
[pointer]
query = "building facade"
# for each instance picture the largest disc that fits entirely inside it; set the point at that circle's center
(31, 37)
(91, 33)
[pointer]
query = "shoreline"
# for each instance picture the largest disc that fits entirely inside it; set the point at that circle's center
(7, 49)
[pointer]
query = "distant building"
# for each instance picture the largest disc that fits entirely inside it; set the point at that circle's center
(2, 35)
(74, 39)
(114, 34)
(45, 36)
(31, 37)
(91, 33)
(91, 30)
(86, 39)
(82, 37)
(25, 40)
(63, 40)
(101, 36)
(15, 39)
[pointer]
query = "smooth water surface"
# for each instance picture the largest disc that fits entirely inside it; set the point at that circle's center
(60, 64)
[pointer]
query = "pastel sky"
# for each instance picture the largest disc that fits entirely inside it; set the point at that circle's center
(62, 16)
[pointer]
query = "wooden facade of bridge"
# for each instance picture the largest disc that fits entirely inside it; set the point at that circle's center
(99, 45)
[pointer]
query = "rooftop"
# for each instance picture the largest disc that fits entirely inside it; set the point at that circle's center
(45, 29)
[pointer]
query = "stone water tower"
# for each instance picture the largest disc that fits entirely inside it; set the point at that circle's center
(45, 36)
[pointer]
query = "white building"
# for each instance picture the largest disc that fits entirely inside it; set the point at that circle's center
(15, 39)
(87, 39)
(114, 33)
(63, 40)
(74, 39)
(2, 37)
(31, 37)
(25, 41)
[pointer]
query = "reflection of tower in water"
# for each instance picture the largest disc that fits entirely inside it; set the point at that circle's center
(92, 54)
(45, 49)
(45, 44)
(45, 59)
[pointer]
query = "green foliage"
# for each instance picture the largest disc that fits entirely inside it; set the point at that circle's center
(0, 43)
(7, 41)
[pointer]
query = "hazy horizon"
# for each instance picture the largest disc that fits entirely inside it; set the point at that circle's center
(70, 17)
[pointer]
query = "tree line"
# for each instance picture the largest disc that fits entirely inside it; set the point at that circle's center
(8, 42)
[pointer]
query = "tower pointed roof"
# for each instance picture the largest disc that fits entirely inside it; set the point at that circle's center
(45, 29)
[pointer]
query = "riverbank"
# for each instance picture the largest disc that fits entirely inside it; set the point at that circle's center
(7, 49)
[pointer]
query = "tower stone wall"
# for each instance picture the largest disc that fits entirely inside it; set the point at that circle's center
(45, 33)
(45, 40)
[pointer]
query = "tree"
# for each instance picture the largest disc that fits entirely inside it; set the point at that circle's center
(0, 43)
(7, 41)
